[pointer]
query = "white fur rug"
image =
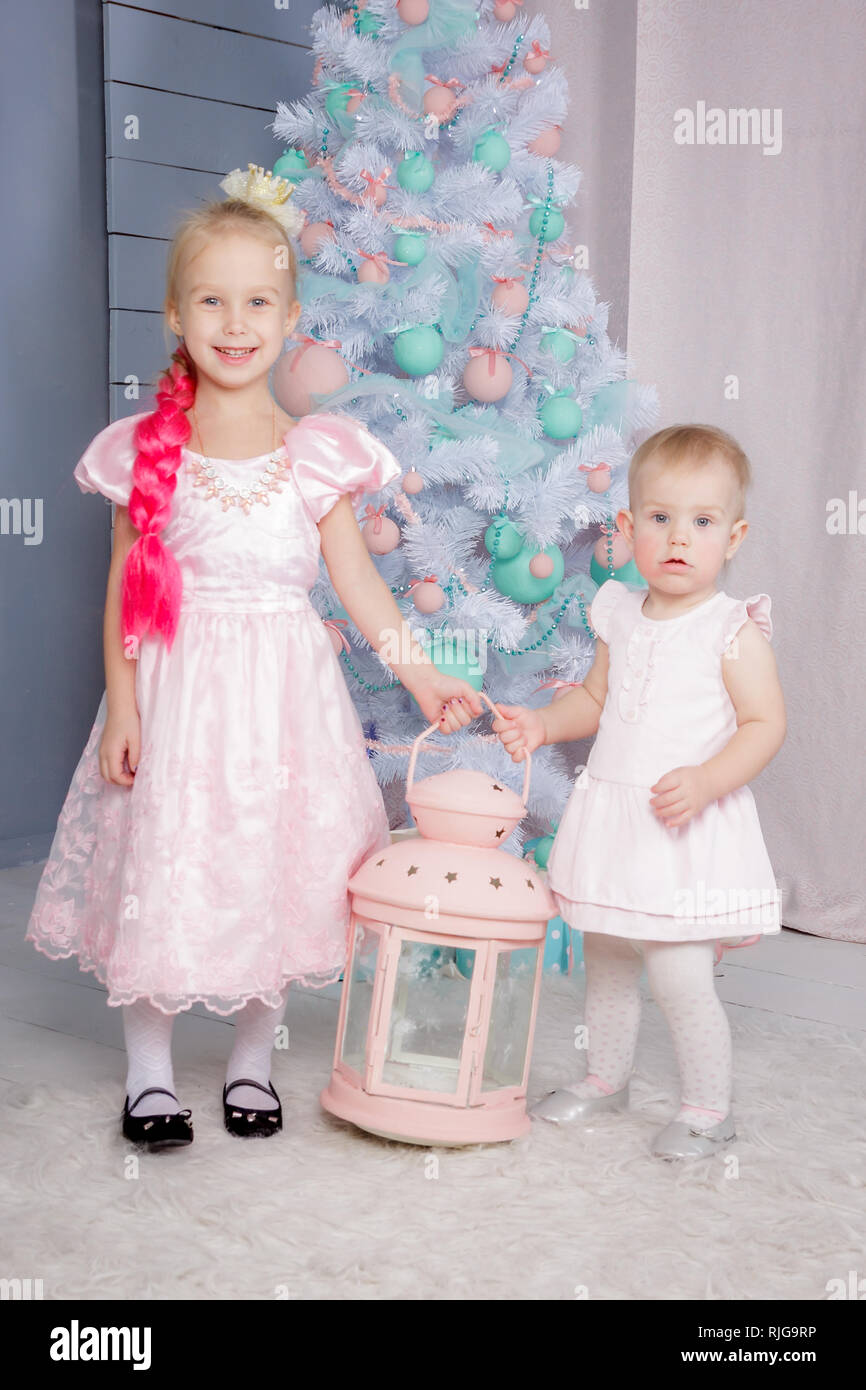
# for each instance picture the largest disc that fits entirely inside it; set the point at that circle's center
(323, 1211)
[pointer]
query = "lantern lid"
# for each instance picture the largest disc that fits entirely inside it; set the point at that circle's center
(466, 790)
(427, 876)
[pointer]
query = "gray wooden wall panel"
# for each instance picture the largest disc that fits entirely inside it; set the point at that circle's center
(186, 131)
(262, 17)
(203, 78)
(172, 55)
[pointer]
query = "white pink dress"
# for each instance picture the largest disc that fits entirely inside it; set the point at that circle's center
(614, 866)
(221, 874)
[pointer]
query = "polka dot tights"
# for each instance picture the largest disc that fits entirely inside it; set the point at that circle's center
(680, 975)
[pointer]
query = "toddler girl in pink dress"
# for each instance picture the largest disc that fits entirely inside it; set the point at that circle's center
(659, 859)
(225, 796)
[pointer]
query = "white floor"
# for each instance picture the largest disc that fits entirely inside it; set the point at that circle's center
(802, 1210)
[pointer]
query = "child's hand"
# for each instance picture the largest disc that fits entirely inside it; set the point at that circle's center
(522, 730)
(445, 700)
(680, 794)
(121, 736)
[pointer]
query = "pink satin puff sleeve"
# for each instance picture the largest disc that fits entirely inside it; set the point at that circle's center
(332, 455)
(106, 464)
(757, 607)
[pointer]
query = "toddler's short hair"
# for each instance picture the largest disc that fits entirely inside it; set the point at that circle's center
(692, 445)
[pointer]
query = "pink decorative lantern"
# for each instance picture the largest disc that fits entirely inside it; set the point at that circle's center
(439, 998)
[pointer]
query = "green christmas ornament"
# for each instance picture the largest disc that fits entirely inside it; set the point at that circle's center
(561, 417)
(555, 224)
(492, 150)
(292, 165)
(410, 247)
(514, 579)
(418, 350)
(627, 573)
(450, 655)
(337, 99)
(368, 23)
(415, 172)
(542, 849)
(510, 539)
(561, 345)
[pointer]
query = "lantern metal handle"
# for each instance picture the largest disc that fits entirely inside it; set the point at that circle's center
(429, 730)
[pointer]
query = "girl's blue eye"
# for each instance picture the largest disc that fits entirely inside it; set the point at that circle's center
(256, 299)
(702, 519)
(659, 516)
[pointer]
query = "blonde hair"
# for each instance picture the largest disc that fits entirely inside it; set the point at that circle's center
(684, 446)
(152, 582)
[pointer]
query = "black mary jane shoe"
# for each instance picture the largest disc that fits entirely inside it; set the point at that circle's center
(248, 1123)
(157, 1131)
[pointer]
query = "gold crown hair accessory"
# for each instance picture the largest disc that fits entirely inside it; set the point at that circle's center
(267, 191)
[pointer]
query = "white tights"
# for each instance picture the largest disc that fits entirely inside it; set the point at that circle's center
(680, 975)
(148, 1031)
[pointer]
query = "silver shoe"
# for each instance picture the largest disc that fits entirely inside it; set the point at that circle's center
(561, 1107)
(679, 1140)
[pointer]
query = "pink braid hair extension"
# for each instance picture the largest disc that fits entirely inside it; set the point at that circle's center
(152, 582)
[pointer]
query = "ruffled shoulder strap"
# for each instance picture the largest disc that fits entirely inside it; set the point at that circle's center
(611, 594)
(106, 464)
(332, 455)
(757, 607)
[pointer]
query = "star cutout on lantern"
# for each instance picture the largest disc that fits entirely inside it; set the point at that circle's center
(413, 869)
(450, 877)
(379, 863)
(497, 788)
(530, 884)
(497, 882)
(500, 832)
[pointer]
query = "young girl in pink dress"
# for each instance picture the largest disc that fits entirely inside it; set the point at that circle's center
(225, 797)
(659, 858)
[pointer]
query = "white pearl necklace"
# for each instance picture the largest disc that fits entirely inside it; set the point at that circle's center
(276, 472)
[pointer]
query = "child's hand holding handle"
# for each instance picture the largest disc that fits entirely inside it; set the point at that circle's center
(521, 732)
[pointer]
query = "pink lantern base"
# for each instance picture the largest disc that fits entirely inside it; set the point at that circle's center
(392, 1118)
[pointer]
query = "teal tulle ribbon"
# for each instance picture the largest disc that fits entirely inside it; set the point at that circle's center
(448, 22)
(612, 405)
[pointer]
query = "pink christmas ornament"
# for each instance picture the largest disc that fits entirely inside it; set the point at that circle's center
(559, 688)
(413, 11)
(373, 269)
(487, 375)
(314, 234)
(504, 10)
(536, 59)
(548, 142)
(440, 100)
(621, 551)
(412, 482)
(426, 594)
(314, 366)
(510, 295)
(381, 534)
(376, 189)
(597, 476)
(541, 566)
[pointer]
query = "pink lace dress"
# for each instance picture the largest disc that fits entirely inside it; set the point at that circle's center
(221, 873)
(614, 866)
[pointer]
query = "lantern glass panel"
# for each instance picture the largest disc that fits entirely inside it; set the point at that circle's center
(361, 978)
(428, 1018)
(510, 1015)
